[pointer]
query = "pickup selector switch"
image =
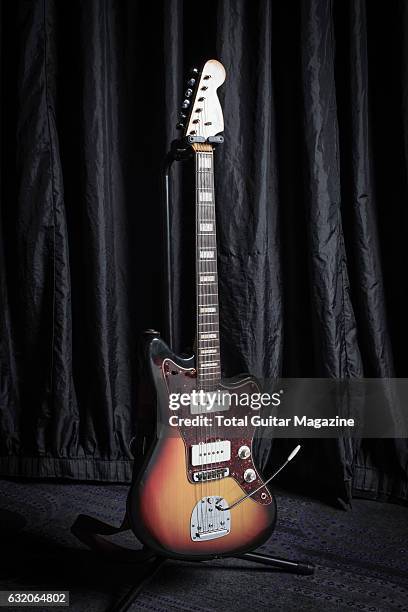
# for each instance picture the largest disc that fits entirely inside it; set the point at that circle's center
(244, 452)
(249, 475)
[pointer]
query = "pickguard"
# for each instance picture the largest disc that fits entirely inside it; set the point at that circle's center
(182, 380)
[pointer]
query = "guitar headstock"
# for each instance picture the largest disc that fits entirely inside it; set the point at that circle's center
(201, 113)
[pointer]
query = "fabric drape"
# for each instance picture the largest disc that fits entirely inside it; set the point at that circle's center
(311, 189)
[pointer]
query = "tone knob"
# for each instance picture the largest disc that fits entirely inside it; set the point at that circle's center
(249, 475)
(244, 452)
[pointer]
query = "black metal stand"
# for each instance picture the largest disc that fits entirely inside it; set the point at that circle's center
(274, 562)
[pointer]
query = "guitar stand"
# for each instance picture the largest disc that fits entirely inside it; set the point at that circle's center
(180, 151)
(90, 531)
(155, 563)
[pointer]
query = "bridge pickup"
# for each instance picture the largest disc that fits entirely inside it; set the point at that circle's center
(210, 452)
(207, 475)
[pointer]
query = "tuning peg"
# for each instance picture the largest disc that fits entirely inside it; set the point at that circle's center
(191, 82)
(188, 93)
(185, 104)
(194, 72)
(180, 126)
(182, 116)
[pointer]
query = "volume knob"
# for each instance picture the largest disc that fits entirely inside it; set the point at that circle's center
(249, 475)
(244, 452)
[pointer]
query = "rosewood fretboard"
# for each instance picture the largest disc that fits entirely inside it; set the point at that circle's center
(208, 338)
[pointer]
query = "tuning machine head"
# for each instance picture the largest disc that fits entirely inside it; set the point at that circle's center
(210, 122)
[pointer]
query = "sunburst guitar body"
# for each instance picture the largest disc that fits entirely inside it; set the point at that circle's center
(172, 505)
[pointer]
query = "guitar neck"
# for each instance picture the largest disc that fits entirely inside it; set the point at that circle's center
(208, 337)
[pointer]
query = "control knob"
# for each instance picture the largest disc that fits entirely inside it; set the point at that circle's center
(249, 475)
(244, 452)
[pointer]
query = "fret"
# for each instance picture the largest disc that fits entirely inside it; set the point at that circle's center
(205, 375)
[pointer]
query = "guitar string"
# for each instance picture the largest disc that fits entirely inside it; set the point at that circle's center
(199, 363)
(199, 302)
(203, 443)
(218, 347)
(206, 318)
(205, 302)
(207, 213)
(203, 317)
(213, 240)
(197, 433)
(208, 301)
(212, 246)
(204, 266)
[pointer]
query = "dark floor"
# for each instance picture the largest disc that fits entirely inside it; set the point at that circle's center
(361, 556)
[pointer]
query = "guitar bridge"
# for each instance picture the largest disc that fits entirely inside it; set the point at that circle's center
(206, 475)
(207, 521)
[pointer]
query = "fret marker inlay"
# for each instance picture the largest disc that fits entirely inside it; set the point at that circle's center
(206, 227)
(205, 196)
(206, 254)
(207, 279)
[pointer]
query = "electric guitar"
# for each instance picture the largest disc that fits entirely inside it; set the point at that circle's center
(199, 494)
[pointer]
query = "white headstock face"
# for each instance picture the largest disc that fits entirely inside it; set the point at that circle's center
(204, 116)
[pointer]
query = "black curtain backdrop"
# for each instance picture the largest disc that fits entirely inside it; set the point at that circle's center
(311, 205)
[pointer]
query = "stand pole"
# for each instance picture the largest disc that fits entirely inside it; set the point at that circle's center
(294, 567)
(167, 243)
(125, 603)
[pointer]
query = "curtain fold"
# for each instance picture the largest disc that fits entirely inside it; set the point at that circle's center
(311, 185)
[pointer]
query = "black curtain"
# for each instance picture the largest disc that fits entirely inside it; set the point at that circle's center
(311, 204)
